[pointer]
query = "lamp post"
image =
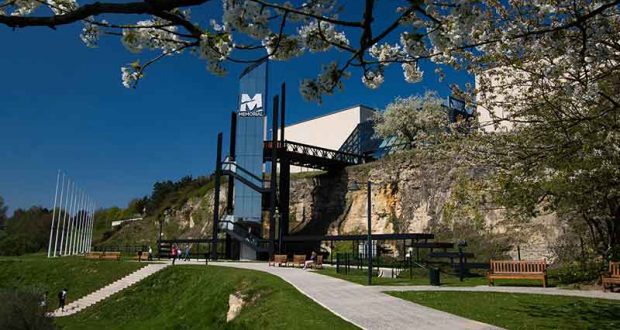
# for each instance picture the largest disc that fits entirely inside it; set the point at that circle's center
(277, 217)
(354, 187)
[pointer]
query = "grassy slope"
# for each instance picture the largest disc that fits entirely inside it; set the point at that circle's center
(523, 311)
(78, 275)
(192, 297)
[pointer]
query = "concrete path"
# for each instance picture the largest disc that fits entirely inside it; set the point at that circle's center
(366, 307)
(507, 289)
(109, 290)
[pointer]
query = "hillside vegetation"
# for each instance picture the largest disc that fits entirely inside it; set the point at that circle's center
(196, 297)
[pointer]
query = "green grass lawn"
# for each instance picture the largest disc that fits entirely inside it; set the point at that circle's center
(420, 277)
(523, 311)
(196, 297)
(78, 275)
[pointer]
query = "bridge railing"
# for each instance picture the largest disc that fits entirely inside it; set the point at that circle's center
(315, 151)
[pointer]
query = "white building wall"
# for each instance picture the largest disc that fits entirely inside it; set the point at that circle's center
(328, 131)
(501, 91)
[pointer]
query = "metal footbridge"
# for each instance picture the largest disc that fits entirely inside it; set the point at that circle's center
(306, 155)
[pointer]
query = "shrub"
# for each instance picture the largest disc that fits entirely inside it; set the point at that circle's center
(22, 310)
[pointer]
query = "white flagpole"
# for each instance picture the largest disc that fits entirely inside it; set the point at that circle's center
(83, 223)
(71, 231)
(78, 238)
(62, 190)
(64, 218)
(86, 224)
(49, 247)
(67, 217)
(76, 221)
(92, 225)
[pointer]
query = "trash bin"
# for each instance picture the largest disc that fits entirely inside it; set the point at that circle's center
(433, 274)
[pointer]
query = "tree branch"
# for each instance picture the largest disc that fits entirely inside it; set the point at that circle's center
(154, 7)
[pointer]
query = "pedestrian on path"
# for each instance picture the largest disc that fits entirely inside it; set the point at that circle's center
(62, 298)
(173, 253)
(150, 254)
(43, 303)
(187, 252)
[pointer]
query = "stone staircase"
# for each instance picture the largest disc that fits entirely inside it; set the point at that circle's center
(109, 290)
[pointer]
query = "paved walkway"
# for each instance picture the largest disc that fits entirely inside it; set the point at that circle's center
(363, 306)
(109, 290)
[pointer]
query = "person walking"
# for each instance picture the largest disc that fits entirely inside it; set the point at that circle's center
(187, 252)
(173, 254)
(150, 254)
(62, 298)
(179, 252)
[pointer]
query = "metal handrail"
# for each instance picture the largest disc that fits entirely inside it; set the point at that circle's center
(307, 149)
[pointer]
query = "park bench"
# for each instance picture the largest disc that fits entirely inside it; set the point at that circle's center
(612, 277)
(111, 256)
(278, 260)
(144, 256)
(518, 269)
(298, 260)
(318, 264)
(93, 255)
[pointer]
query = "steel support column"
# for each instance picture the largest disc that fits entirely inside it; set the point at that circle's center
(274, 177)
(216, 197)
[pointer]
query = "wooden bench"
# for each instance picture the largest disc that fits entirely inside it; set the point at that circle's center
(612, 277)
(518, 269)
(93, 255)
(143, 257)
(111, 256)
(318, 263)
(298, 260)
(278, 260)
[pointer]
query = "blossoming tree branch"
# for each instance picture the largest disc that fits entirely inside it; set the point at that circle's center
(465, 34)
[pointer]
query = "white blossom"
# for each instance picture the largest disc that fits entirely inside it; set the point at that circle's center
(282, 48)
(130, 75)
(151, 34)
(386, 52)
(247, 17)
(24, 7)
(62, 6)
(412, 72)
(91, 33)
(373, 78)
(215, 47)
(318, 37)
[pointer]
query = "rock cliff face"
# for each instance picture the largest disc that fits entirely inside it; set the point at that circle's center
(407, 196)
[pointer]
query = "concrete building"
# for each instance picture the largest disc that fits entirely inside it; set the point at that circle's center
(327, 131)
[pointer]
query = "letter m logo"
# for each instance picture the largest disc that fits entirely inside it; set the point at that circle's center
(249, 104)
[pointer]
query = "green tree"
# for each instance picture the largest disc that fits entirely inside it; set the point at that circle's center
(416, 120)
(3, 209)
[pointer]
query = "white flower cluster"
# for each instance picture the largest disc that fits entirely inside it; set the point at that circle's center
(412, 72)
(151, 34)
(24, 7)
(373, 78)
(282, 48)
(247, 17)
(62, 6)
(329, 80)
(91, 33)
(386, 52)
(130, 75)
(215, 48)
(318, 37)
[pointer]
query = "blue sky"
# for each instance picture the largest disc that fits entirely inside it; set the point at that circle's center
(63, 106)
